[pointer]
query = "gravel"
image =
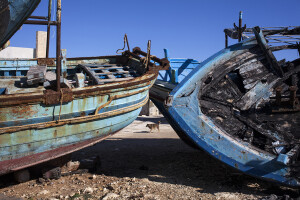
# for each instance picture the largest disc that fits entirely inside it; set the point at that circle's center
(136, 164)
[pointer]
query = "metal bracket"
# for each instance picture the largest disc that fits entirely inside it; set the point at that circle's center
(46, 61)
(53, 97)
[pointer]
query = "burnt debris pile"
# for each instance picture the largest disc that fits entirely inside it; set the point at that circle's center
(255, 98)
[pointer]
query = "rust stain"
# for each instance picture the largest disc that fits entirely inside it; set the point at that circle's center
(23, 111)
(55, 134)
(82, 114)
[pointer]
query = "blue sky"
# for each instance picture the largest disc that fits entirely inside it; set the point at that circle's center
(189, 29)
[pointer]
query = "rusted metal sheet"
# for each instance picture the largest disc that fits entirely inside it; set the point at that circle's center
(46, 61)
(53, 97)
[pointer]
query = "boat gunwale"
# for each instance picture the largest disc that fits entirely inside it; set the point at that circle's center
(23, 98)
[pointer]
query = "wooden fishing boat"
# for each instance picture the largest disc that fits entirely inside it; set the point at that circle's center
(50, 107)
(241, 106)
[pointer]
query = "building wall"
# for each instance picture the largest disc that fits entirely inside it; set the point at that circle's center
(17, 52)
(21, 52)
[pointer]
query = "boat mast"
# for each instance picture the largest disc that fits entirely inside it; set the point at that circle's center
(48, 28)
(58, 45)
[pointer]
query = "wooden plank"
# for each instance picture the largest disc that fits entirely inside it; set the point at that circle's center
(266, 49)
(233, 87)
(253, 66)
(115, 79)
(257, 77)
(107, 68)
(36, 74)
(259, 91)
(110, 76)
(90, 73)
(100, 65)
(117, 72)
(123, 71)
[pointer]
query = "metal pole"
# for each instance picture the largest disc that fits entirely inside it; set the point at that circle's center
(226, 40)
(48, 28)
(127, 42)
(38, 22)
(58, 45)
(240, 26)
(38, 17)
(148, 53)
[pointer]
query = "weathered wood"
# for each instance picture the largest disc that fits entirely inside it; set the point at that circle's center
(234, 88)
(125, 73)
(257, 77)
(258, 65)
(100, 65)
(115, 80)
(36, 74)
(110, 76)
(104, 68)
(227, 66)
(91, 74)
(110, 73)
(50, 76)
(257, 92)
(246, 65)
(266, 49)
(258, 128)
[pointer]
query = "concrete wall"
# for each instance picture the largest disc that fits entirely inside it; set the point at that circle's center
(21, 52)
(17, 52)
(41, 43)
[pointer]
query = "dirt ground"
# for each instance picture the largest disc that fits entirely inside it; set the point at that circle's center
(137, 164)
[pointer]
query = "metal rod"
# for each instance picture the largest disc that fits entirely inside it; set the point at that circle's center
(48, 28)
(148, 53)
(137, 50)
(240, 26)
(38, 17)
(226, 40)
(58, 45)
(36, 22)
(127, 42)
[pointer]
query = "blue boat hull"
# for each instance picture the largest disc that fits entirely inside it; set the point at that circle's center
(32, 130)
(182, 105)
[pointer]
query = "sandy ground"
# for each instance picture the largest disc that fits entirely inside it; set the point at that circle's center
(137, 164)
